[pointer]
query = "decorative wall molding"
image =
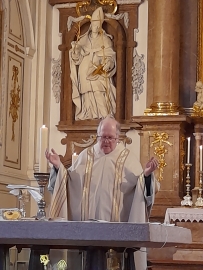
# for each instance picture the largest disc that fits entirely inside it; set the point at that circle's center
(56, 78)
(138, 70)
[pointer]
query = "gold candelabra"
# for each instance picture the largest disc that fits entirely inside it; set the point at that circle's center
(199, 202)
(187, 198)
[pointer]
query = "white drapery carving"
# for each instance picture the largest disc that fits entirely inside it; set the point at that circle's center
(119, 17)
(56, 78)
(138, 70)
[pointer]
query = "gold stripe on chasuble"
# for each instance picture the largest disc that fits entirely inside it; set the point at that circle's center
(60, 197)
(86, 186)
(115, 217)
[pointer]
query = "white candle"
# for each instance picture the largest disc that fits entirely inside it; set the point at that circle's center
(74, 157)
(188, 150)
(43, 145)
(200, 161)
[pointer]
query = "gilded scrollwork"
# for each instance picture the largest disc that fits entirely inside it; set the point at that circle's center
(161, 139)
(15, 100)
(86, 8)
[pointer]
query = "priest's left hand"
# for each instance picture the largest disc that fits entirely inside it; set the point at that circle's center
(151, 166)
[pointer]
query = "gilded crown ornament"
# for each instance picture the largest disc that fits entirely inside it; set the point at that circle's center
(86, 8)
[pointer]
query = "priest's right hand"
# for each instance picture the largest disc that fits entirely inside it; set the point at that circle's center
(53, 158)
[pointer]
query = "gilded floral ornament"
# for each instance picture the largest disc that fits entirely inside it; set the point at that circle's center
(15, 99)
(161, 139)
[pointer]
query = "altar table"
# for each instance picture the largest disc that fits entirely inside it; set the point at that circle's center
(81, 235)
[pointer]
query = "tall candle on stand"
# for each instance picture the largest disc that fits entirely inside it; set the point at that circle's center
(43, 144)
(200, 161)
(188, 150)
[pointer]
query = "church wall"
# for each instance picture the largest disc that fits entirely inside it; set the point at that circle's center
(33, 18)
(13, 152)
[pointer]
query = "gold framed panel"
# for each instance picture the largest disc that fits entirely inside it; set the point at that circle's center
(13, 129)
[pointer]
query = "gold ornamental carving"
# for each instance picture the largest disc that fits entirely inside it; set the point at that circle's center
(86, 8)
(15, 99)
(160, 139)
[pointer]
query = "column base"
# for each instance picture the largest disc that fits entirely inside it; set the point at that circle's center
(163, 108)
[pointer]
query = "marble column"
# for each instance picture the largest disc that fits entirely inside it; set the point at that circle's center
(165, 33)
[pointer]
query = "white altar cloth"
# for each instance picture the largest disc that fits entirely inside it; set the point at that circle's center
(183, 214)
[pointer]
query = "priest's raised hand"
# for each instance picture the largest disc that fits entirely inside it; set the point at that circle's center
(151, 166)
(53, 158)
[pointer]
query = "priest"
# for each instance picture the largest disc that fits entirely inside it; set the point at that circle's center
(106, 182)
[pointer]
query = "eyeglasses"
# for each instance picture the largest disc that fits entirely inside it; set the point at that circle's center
(105, 138)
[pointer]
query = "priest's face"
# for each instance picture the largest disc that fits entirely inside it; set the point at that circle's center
(108, 137)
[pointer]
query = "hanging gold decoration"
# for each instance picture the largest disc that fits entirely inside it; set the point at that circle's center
(15, 100)
(161, 139)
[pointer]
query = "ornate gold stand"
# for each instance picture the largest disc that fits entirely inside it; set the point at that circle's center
(199, 202)
(42, 180)
(187, 198)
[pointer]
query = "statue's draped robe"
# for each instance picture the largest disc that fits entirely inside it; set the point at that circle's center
(94, 95)
(107, 187)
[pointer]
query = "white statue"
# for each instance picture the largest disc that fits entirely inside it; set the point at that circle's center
(92, 65)
(199, 90)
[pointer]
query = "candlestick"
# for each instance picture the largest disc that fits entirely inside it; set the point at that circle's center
(187, 198)
(42, 180)
(199, 202)
(74, 157)
(200, 162)
(43, 144)
(188, 150)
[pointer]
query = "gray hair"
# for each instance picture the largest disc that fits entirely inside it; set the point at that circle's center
(118, 126)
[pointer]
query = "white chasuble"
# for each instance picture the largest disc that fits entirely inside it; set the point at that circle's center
(108, 187)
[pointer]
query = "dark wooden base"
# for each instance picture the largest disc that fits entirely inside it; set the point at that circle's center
(176, 265)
